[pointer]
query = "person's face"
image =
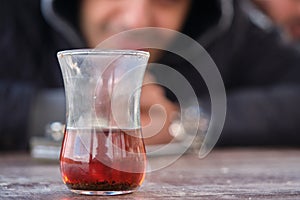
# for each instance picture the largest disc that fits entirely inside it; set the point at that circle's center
(286, 13)
(101, 19)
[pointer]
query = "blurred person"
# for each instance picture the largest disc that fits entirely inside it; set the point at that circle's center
(281, 14)
(260, 73)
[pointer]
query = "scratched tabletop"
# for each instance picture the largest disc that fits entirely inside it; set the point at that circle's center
(223, 174)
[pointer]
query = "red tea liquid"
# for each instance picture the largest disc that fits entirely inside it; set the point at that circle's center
(103, 160)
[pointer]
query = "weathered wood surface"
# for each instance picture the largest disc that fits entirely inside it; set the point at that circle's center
(224, 174)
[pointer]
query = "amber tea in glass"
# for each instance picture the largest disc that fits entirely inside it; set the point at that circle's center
(103, 151)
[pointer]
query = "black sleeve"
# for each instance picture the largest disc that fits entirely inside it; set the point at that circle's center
(263, 90)
(17, 70)
(262, 116)
(15, 102)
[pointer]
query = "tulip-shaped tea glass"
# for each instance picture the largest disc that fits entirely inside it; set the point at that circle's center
(103, 151)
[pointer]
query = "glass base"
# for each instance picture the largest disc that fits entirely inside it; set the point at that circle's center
(102, 193)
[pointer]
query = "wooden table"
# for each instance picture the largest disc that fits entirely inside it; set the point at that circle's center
(224, 174)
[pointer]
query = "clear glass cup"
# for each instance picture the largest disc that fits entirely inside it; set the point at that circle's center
(103, 151)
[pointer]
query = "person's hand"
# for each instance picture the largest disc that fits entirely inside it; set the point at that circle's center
(156, 113)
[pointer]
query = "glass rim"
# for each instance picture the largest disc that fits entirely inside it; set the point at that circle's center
(103, 52)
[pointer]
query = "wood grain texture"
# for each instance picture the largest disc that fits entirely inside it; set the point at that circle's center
(224, 174)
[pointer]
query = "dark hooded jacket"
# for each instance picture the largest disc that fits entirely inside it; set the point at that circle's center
(260, 72)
